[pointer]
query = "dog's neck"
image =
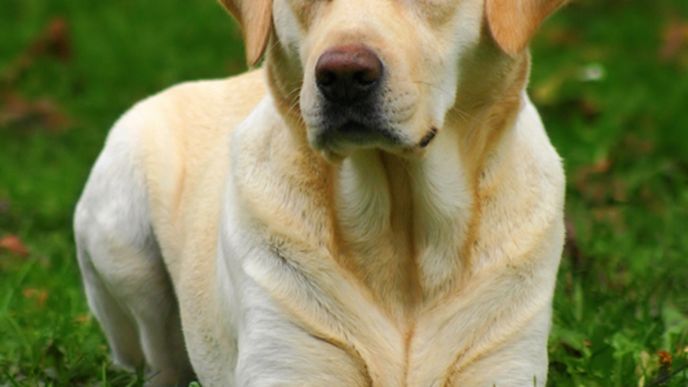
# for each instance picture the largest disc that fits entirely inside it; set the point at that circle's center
(401, 220)
(404, 226)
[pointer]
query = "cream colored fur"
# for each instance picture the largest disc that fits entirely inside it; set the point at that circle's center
(215, 240)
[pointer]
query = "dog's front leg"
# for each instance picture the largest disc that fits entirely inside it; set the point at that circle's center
(521, 361)
(275, 350)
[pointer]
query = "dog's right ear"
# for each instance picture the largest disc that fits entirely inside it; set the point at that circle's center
(513, 22)
(255, 19)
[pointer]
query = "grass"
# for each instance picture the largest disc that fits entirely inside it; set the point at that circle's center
(610, 79)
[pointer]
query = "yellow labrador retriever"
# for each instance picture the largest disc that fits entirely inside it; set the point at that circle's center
(379, 205)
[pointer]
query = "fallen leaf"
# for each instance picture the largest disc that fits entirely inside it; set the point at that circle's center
(675, 37)
(82, 318)
(548, 91)
(593, 180)
(638, 145)
(589, 108)
(571, 245)
(54, 40)
(612, 215)
(38, 295)
(18, 112)
(557, 35)
(14, 245)
(4, 206)
(665, 358)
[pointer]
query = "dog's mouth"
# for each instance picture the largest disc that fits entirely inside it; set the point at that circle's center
(338, 142)
(342, 138)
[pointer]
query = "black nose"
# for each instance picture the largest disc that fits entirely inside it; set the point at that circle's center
(346, 74)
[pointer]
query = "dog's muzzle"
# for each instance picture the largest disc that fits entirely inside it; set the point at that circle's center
(349, 80)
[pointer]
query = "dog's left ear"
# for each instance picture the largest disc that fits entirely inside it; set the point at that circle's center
(255, 19)
(514, 22)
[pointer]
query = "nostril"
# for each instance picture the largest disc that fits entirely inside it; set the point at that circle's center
(325, 78)
(365, 78)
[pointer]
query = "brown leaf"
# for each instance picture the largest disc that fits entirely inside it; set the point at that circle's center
(4, 206)
(592, 180)
(612, 215)
(54, 40)
(14, 245)
(589, 108)
(16, 111)
(57, 40)
(665, 358)
(571, 245)
(547, 91)
(639, 145)
(675, 37)
(83, 319)
(557, 35)
(38, 295)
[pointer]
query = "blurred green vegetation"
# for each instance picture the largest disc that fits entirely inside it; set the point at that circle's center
(610, 79)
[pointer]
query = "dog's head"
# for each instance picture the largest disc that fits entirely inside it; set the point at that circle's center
(385, 73)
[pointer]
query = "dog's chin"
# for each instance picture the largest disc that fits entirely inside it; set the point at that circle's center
(336, 144)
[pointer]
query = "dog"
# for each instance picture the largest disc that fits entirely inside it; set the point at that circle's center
(377, 205)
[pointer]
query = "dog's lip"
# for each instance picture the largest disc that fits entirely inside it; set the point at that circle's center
(355, 132)
(337, 142)
(428, 137)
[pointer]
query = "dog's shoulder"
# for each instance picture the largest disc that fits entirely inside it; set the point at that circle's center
(207, 104)
(178, 140)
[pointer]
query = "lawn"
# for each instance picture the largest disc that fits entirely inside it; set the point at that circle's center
(610, 79)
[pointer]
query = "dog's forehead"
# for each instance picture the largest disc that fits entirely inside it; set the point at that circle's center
(302, 10)
(436, 11)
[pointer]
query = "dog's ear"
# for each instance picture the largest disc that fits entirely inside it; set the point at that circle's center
(255, 19)
(513, 22)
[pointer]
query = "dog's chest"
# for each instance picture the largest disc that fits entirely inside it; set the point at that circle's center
(383, 342)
